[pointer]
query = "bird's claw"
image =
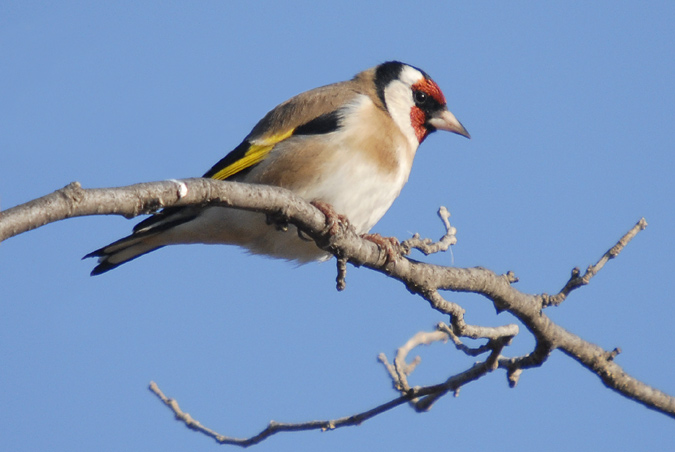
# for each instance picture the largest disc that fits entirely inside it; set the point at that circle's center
(333, 219)
(390, 245)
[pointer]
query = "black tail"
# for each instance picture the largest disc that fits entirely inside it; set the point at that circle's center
(121, 251)
(147, 237)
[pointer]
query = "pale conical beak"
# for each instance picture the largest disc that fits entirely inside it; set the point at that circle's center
(445, 120)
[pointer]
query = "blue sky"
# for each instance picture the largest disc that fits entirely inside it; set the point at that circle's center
(570, 106)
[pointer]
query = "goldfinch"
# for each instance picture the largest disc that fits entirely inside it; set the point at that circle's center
(349, 145)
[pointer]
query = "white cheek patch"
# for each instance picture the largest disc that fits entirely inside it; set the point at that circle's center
(399, 100)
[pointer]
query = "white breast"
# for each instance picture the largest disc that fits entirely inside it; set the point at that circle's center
(352, 182)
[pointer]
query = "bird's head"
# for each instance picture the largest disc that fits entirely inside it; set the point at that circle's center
(414, 101)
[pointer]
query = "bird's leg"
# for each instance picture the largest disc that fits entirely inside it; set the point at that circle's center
(333, 219)
(390, 245)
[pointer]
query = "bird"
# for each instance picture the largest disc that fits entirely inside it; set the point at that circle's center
(348, 146)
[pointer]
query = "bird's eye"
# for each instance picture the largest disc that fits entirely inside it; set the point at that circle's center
(420, 98)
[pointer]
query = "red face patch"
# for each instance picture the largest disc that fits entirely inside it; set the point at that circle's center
(418, 118)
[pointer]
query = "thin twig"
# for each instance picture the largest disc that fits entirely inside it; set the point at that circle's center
(428, 246)
(341, 278)
(277, 427)
(454, 383)
(577, 280)
(401, 369)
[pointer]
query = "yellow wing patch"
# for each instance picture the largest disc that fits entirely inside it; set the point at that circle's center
(256, 153)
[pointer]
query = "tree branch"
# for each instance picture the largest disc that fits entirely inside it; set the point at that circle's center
(426, 280)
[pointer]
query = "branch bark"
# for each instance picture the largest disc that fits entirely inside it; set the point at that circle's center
(426, 280)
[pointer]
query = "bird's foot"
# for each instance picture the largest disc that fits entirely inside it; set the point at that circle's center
(333, 219)
(390, 245)
(279, 221)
